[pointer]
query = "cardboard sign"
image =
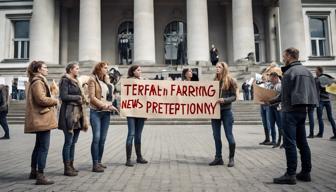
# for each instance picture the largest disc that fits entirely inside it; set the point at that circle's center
(261, 94)
(169, 99)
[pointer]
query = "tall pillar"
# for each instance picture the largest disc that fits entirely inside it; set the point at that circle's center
(64, 36)
(144, 35)
(89, 30)
(42, 31)
(291, 26)
(242, 28)
(198, 32)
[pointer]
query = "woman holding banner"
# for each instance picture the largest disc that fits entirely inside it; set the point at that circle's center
(135, 126)
(100, 94)
(227, 95)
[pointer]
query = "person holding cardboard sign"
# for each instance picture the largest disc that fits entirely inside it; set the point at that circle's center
(227, 95)
(135, 126)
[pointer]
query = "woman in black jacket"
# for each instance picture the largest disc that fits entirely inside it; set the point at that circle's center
(72, 118)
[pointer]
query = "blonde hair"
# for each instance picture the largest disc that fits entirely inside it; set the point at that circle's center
(225, 77)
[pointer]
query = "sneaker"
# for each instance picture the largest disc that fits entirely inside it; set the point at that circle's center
(269, 143)
(333, 138)
(303, 177)
(4, 137)
(217, 161)
(263, 143)
(285, 179)
(319, 135)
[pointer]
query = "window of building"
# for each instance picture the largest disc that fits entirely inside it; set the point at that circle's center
(257, 43)
(125, 42)
(175, 40)
(21, 39)
(318, 27)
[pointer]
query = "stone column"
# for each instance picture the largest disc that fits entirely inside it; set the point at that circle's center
(291, 26)
(89, 30)
(42, 31)
(144, 34)
(198, 32)
(64, 36)
(242, 28)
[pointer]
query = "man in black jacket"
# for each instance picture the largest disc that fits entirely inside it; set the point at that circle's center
(298, 92)
(4, 110)
(323, 80)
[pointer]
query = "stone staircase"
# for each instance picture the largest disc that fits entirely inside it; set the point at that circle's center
(245, 113)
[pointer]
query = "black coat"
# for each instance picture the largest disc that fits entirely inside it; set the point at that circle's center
(298, 88)
(71, 111)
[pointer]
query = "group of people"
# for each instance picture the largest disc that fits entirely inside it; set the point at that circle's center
(297, 95)
(41, 115)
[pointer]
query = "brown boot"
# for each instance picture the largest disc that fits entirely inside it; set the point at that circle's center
(97, 168)
(68, 171)
(42, 180)
(72, 166)
(33, 173)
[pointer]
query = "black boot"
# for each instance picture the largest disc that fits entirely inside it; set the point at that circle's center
(285, 179)
(232, 148)
(303, 177)
(128, 156)
(33, 173)
(217, 161)
(140, 159)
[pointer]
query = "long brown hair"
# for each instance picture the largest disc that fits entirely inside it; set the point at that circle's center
(97, 70)
(33, 68)
(225, 77)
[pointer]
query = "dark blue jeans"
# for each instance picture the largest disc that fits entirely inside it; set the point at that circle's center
(327, 105)
(265, 120)
(100, 121)
(135, 127)
(70, 140)
(40, 152)
(274, 117)
(227, 120)
(3, 123)
(295, 135)
(311, 120)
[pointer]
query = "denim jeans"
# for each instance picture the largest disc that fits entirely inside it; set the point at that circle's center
(135, 127)
(327, 105)
(274, 117)
(265, 120)
(311, 120)
(100, 121)
(40, 152)
(227, 120)
(70, 140)
(295, 135)
(3, 123)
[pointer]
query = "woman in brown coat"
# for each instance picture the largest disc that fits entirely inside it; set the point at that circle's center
(40, 118)
(100, 95)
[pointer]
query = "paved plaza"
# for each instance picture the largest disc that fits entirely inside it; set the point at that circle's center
(178, 156)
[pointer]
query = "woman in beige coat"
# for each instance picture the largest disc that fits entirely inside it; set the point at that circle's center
(40, 118)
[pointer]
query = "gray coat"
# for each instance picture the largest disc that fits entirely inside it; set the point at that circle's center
(298, 88)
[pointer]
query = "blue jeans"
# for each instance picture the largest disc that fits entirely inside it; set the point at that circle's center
(135, 127)
(295, 135)
(40, 152)
(311, 120)
(100, 121)
(227, 120)
(70, 140)
(3, 123)
(246, 95)
(265, 120)
(274, 117)
(327, 105)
